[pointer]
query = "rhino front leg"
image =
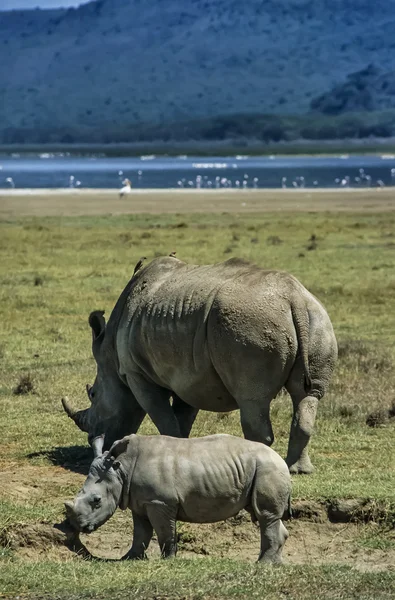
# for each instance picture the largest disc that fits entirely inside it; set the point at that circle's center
(155, 400)
(142, 535)
(163, 520)
(185, 415)
(255, 421)
(305, 410)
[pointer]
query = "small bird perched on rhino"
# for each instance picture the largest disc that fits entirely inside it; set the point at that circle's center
(200, 480)
(139, 264)
(216, 337)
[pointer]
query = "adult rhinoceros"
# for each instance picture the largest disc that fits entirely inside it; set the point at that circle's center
(215, 337)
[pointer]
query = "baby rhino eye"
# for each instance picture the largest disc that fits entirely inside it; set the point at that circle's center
(96, 500)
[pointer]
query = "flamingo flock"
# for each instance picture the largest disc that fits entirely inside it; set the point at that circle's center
(362, 179)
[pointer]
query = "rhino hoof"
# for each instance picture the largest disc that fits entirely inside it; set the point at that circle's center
(301, 468)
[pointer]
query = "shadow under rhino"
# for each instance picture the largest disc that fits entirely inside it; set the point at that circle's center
(72, 458)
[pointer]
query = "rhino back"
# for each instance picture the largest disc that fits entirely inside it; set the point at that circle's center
(205, 332)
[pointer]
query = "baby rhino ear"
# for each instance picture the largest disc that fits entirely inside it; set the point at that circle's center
(118, 447)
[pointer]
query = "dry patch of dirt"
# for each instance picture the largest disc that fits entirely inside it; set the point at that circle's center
(20, 482)
(320, 533)
(18, 203)
(309, 542)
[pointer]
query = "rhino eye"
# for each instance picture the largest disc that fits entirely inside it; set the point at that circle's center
(96, 500)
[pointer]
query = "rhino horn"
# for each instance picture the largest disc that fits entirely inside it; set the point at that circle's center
(78, 416)
(69, 506)
(97, 445)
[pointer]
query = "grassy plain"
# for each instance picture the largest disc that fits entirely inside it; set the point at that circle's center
(55, 270)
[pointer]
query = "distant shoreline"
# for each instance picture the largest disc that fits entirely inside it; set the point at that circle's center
(167, 191)
(229, 148)
(16, 204)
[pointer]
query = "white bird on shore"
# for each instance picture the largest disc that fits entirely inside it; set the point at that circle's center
(345, 182)
(126, 189)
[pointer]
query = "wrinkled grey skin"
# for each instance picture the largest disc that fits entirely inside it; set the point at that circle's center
(200, 480)
(217, 337)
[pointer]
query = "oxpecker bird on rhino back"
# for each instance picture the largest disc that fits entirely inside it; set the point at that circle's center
(216, 337)
(200, 480)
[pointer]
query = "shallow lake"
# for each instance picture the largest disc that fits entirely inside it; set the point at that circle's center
(62, 171)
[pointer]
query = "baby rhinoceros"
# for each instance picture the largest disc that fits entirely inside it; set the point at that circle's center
(198, 480)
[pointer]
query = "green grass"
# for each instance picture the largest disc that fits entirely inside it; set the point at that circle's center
(197, 579)
(53, 272)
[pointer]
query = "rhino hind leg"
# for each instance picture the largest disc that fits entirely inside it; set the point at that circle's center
(163, 520)
(273, 537)
(322, 359)
(305, 410)
(142, 535)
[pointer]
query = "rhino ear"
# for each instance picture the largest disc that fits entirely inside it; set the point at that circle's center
(97, 323)
(118, 447)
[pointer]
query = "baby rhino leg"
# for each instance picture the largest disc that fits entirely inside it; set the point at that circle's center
(142, 535)
(163, 520)
(273, 536)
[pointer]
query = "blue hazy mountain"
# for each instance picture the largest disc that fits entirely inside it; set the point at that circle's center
(112, 63)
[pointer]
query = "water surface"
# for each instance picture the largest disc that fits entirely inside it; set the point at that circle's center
(62, 171)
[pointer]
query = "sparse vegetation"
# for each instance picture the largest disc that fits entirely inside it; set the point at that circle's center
(25, 385)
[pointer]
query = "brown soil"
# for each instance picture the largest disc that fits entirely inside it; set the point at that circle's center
(309, 542)
(314, 537)
(18, 203)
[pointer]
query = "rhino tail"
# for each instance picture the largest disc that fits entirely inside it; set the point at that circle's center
(288, 511)
(300, 318)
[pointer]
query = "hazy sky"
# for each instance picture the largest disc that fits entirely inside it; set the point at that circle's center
(10, 4)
